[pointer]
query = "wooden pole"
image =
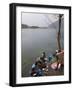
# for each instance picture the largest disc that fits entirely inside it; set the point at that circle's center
(59, 32)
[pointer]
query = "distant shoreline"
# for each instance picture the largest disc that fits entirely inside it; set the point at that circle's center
(24, 26)
(53, 25)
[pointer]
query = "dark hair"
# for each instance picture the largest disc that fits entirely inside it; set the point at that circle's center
(44, 54)
(54, 54)
(59, 50)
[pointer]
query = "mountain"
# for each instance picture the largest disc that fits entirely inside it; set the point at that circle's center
(24, 26)
(56, 24)
(27, 26)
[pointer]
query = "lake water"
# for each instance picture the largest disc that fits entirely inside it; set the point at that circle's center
(34, 42)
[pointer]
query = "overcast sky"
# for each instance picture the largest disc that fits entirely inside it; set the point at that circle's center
(34, 19)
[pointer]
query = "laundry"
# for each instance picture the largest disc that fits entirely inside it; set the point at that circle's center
(44, 65)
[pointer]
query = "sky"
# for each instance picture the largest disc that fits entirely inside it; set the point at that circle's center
(36, 19)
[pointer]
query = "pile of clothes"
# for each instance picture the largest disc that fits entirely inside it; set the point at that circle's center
(39, 66)
(42, 64)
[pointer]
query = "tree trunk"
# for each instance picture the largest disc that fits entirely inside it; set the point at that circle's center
(59, 35)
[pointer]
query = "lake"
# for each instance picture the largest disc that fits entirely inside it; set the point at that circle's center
(34, 42)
